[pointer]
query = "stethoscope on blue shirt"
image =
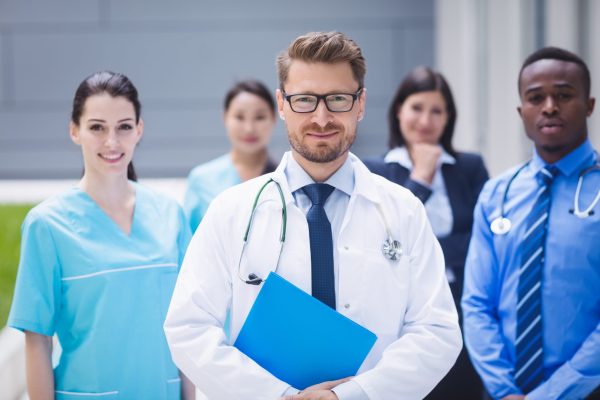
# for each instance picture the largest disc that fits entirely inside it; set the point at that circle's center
(502, 225)
(391, 249)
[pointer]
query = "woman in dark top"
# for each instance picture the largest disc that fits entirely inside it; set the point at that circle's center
(421, 158)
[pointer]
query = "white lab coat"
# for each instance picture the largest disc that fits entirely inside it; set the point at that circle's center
(407, 304)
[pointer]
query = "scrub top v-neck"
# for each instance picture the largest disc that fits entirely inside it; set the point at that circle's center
(105, 293)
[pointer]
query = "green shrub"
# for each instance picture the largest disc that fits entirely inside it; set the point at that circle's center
(11, 217)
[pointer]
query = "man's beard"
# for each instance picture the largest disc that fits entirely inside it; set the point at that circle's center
(323, 153)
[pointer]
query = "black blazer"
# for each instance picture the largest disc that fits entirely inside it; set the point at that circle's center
(463, 181)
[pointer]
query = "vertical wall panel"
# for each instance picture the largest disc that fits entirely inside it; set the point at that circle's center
(36, 13)
(182, 58)
(3, 69)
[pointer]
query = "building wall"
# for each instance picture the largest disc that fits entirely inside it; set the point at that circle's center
(182, 56)
(480, 46)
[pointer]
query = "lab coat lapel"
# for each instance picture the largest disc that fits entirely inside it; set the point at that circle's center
(294, 264)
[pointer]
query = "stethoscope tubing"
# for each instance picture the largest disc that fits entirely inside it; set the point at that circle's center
(501, 225)
(391, 248)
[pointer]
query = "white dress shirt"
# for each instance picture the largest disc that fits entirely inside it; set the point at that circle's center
(437, 206)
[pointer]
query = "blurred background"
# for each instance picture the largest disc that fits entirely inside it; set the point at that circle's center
(183, 56)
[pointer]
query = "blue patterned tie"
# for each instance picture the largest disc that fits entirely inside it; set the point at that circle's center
(321, 243)
(529, 371)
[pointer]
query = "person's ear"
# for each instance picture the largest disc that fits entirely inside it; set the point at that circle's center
(590, 106)
(74, 133)
(140, 130)
(362, 100)
(280, 103)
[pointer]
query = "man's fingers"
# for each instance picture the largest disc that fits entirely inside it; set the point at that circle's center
(327, 385)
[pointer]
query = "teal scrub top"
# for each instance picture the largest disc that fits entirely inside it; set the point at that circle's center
(204, 183)
(103, 292)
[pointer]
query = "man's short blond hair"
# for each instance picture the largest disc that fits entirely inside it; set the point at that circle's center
(323, 47)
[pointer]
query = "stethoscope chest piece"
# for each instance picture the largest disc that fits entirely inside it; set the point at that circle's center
(391, 249)
(501, 226)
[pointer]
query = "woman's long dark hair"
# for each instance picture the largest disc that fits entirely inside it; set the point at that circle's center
(114, 84)
(422, 79)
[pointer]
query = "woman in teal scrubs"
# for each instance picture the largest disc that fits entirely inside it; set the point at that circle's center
(249, 118)
(98, 264)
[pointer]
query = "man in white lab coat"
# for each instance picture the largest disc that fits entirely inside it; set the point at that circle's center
(406, 302)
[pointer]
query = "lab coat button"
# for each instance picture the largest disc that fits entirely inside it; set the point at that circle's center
(346, 248)
(347, 305)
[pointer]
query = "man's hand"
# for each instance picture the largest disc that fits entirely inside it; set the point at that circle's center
(326, 385)
(514, 397)
(320, 391)
(424, 158)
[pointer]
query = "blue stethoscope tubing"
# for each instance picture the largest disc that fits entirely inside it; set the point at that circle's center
(391, 249)
(501, 225)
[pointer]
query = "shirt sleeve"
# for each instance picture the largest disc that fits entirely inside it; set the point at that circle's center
(420, 189)
(38, 287)
(350, 391)
(291, 391)
(194, 326)
(576, 378)
(481, 324)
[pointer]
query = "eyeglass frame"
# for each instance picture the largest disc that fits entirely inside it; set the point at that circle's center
(321, 97)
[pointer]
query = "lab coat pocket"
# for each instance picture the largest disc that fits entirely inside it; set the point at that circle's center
(386, 285)
(382, 343)
(71, 395)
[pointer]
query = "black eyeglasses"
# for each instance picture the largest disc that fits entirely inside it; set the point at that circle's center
(336, 102)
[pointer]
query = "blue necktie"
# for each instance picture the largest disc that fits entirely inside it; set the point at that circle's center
(321, 244)
(529, 370)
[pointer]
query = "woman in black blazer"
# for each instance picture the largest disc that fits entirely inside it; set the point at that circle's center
(421, 157)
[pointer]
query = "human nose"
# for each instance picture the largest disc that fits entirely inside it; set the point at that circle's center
(550, 106)
(248, 126)
(425, 119)
(111, 138)
(321, 115)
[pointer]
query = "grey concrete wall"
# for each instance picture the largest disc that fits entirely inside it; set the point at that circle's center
(182, 56)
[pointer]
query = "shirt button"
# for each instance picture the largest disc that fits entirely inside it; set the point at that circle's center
(347, 305)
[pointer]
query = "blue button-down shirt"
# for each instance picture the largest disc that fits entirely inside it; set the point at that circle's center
(570, 286)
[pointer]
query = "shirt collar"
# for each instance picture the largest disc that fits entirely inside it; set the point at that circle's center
(342, 179)
(400, 155)
(571, 163)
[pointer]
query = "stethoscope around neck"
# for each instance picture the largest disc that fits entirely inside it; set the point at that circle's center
(502, 225)
(391, 249)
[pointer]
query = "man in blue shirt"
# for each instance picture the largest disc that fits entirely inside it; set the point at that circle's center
(531, 298)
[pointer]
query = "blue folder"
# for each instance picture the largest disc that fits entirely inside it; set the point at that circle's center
(299, 339)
